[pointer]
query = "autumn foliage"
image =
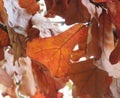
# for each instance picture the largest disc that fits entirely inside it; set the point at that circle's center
(38, 59)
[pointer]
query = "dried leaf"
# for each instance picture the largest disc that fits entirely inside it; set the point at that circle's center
(4, 41)
(72, 11)
(76, 55)
(107, 46)
(56, 7)
(30, 5)
(92, 9)
(98, 1)
(38, 95)
(115, 55)
(55, 52)
(93, 48)
(47, 83)
(18, 43)
(81, 51)
(60, 95)
(114, 10)
(32, 33)
(3, 13)
(86, 76)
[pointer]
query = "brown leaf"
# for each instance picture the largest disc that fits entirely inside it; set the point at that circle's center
(56, 7)
(4, 41)
(88, 79)
(32, 33)
(106, 34)
(76, 12)
(54, 52)
(114, 10)
(93, 48)
(115, 55)
(73, 11)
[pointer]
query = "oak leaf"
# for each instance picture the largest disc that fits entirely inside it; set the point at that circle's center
(54, 52)
(88, 79)
(72, 11)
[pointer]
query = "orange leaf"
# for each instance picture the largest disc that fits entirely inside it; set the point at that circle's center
(3, 13)
(81, 51)
(38, 95)
(60, 95)
(55, 52)
(98, 1)
(76, 55)
(30, 5)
